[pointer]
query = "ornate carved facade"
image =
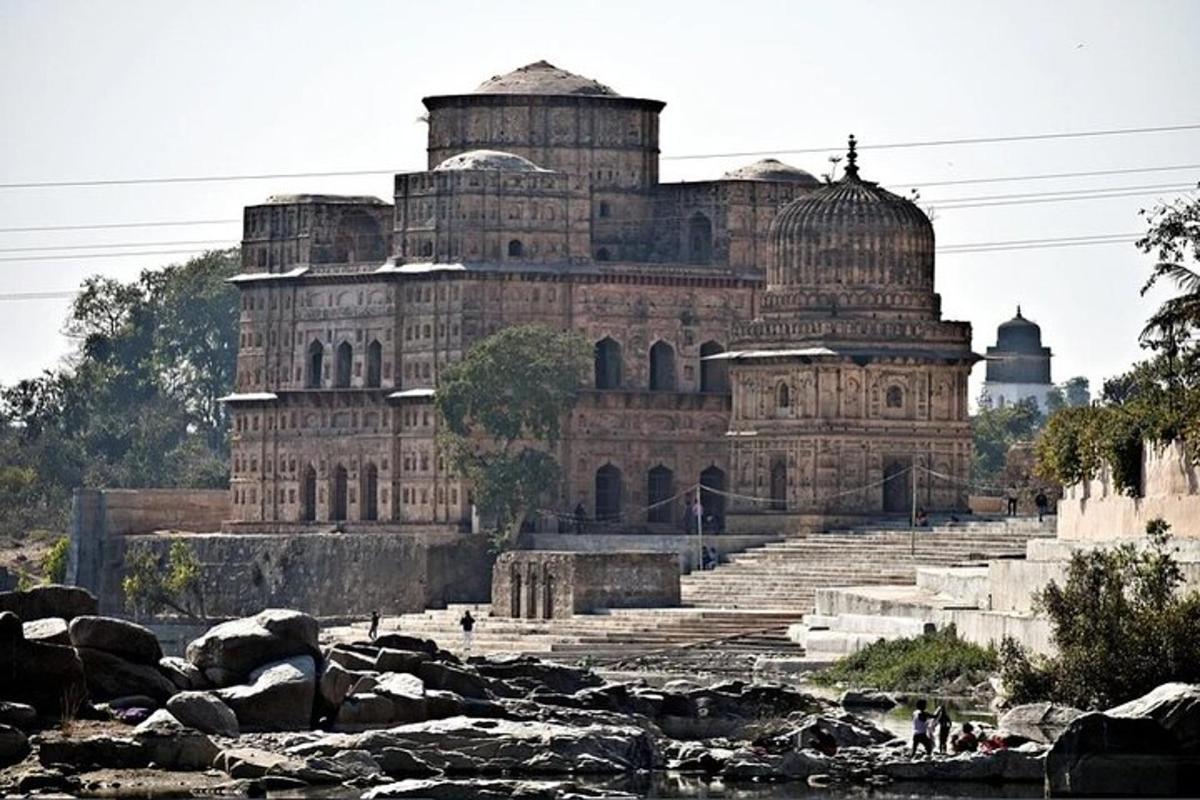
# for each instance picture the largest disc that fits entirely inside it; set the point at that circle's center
(542, 204)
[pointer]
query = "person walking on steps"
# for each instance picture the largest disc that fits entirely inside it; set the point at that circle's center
(1012, 500)
(467, 623)
(371, 634)
(1042, 502)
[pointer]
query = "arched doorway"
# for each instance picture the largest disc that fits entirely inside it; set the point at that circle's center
(308, 495)
(316, 363)
(660, 485)
(607, 358)
(343, 361)
(662, 367)
(341, 487)
(714, 373)
(370, 493)
(548, 597)
(779, 485)
(608, 494)
(897, 486)
(516, 249)
(699, 239)
(516, 593)
(374, 364)
(712, 503)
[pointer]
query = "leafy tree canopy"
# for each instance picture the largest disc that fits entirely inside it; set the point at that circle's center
(503, 407)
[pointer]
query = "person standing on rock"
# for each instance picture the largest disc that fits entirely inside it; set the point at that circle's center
(371, 634)
(467, 623)
(942, 717)
(920, 736)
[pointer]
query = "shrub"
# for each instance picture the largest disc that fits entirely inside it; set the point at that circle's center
(922, 663)
(1119, 626)
(54, 563)
(151, 585)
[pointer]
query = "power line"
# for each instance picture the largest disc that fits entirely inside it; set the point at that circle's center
(104, 255)
(108, 245)
(1042, 176)
(37, 295)
(945, 142)
(102, 225)
(1048, 192)
(684, 157)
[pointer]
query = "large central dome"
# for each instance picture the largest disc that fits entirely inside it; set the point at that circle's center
(851, 234)
(542, 77)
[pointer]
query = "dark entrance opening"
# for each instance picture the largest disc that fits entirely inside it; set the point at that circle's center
(711, 503)
(662, 368)
(374, 363)
(714, 373)
(608, 364)
(897, 487)
(658, 491)
(608, 494)
(345, 356)
(308, 495)
(370, 493)
(316, 362)
(340, 491)
(779, 485)
(699, 239)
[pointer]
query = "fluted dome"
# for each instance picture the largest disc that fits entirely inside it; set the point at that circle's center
(852, 234)
(771, 169)
(542, 77)
(1019, 335)
(488, 159)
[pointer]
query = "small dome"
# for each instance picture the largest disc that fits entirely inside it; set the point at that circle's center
(771, 169)
(542, 77)
(1019, 335)
(849, 234)
(488, 159)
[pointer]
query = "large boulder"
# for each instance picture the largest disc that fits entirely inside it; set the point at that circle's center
(1024, 764)
(18, 715)
(171, 745)
(185, 675)
(14, 745)
(42, 675)
(391, 660)
(866, 698)
(205, 712)
(366, 710)
(1174, 706)
(92, 752)
(48, 630)
(279, 696)
(1102, 755)
(53, 600)
(232, 650)
(398, 641)
(109, 676)
(846, 730)
(453, 679)
(530, 670)
(492, 746)
(407, 695)
(351, 659)
(756, 764)
(336, 683)
(1039, 722)
(126, 639)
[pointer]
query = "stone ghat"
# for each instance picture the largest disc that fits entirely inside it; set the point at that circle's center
(786, 575)
(258, 705)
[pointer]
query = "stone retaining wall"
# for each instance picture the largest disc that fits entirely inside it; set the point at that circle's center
(539, 584)
(685, 547)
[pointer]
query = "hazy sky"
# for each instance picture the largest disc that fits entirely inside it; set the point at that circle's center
(99, 90)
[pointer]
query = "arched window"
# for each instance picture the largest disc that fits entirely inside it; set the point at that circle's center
(783, 395)
(604, 209)
(341, 488)
(308, 495)
(607, 356)
(662, 367)
(316, 362)
(345, 357)
(374, 363)
(714, 373)
(515, 249)
(608, 494)
(779, 485)
(699, 239)
(659, 488)
(602, 254)
(370, 493)
(895, 397)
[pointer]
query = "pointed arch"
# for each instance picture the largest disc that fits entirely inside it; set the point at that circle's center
(662, 367)
(374, 364)
(712, 502)
(660, 486)
(308, 495)
(783, 395)
(515, 248)
(608, 494)
(370, 493)
(607, 357)
(779, 485)
(343, 360)
(316, 364)
(714, 372)
(341, 492)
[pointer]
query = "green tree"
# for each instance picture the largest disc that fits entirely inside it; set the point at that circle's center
(153, 583)
(54, 564)
(1119, 625)
(1077, 391)
(995, 430)
(503, 407)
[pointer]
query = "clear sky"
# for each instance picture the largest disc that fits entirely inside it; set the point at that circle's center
(125, 89)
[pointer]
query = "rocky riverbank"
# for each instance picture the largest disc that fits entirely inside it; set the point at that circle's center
(91, 707)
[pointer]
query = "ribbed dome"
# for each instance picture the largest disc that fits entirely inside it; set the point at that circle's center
(1019, 335)
(488, 159)
(771, 169)
(852, 234)
(542, 77)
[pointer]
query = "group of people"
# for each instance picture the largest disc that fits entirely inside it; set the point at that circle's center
(1039, 500)
(925, 726)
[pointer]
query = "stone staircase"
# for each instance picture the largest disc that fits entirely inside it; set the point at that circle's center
(785, 575)
(607, 635)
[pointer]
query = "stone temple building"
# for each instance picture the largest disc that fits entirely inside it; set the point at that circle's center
(1018, 367)
(773, 338)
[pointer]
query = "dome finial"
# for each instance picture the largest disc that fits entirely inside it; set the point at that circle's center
(1019, 311)
(852, 158)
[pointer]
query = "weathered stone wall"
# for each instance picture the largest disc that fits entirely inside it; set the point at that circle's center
(685, 547)
(555, 585)
(1094, 510)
